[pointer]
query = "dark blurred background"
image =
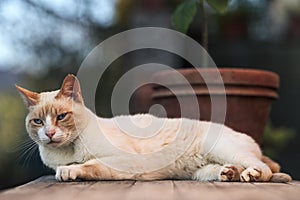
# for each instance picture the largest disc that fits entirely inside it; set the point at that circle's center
(43, 40)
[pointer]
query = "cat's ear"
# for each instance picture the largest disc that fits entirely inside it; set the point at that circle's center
(70, 88)
(30, 98)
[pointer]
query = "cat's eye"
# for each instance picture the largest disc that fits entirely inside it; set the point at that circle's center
(37, 121)
(61, 116)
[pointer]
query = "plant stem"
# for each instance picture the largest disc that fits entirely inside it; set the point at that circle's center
(204, 26)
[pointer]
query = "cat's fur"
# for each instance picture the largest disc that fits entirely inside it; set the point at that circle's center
(77, 144)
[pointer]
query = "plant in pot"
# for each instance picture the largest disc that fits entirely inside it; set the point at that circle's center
(249, 93)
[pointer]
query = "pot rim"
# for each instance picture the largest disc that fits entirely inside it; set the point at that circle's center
(229, 76)
(215, 91)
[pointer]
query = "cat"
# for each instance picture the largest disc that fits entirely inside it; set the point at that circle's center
(77, 144)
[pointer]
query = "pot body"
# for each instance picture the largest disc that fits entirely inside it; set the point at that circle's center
(239, 98)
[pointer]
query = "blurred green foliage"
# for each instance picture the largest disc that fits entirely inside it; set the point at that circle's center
(184, 15)
(276, 139)
(12, 113)
(186, 11)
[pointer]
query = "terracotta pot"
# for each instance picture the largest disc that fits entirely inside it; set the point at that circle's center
(249, 94)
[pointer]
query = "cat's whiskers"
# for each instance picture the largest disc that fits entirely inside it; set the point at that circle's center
(22, 144)
(29, 147)
(33, 149)
(26, 149)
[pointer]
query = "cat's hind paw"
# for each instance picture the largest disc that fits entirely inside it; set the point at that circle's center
(230, 173)
(67, 173)
(251, 174)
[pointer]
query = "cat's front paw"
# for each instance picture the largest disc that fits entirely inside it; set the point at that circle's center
(67, 173)
(230, 173)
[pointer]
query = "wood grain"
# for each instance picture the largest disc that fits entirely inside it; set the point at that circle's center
(47, 188)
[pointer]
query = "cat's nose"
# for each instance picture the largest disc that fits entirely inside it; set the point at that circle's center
(50, 133)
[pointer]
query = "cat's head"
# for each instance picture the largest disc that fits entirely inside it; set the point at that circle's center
(56, 118)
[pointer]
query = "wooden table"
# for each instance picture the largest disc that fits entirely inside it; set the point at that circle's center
(46, 188)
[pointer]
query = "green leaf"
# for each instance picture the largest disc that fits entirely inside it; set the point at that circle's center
(219, 5)
(184, 15)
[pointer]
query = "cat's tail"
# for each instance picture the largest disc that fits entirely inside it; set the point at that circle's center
(274, 166)
(280, 178)
(277, 177)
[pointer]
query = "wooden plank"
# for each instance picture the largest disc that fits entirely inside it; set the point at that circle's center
(249, 191)
(45, 187)
(29, 189)
(151, 190)
(197, 190)
(280, 190)
(49, 189)
(106, 190)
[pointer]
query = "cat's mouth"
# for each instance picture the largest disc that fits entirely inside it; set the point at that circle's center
(54, 143)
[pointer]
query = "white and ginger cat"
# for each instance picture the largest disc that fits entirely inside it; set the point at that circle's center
(79, 145)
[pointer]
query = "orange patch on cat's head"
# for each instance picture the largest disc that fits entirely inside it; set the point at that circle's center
(68, 100)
